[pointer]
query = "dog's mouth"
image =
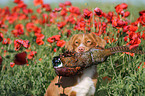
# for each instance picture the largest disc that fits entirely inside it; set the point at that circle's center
(62, 69)
(72, 63)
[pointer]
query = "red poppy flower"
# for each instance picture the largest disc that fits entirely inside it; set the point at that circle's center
(37, 30)
(143, 36)
(109, 16)
(98, 12)
(60, 25)
(56, 37)
(142, 12)
(141, 19)
(46, 7)
(12, 64)
(20, 58)
(61, 5)
(6, 41)
(63, 12)
(50, 40)
(133, 28)
(1, 37)
(125, 38)
(19, 42)
(39, 41)
(19, 30)
(126, 14)
(134, 43)
(60, 43)
(41, 36)
(80, 25)
(30, 26)
(38, 2)
(67, 3)
(1, 60)
(123, 6)
(57, 9)
(125, 28)
(74, 10)
(54, 49)
(87, 13)
(68, 33)
(17, 1)
(119, 8)
(31, 55)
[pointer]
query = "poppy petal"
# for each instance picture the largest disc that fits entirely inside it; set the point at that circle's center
(20, 58)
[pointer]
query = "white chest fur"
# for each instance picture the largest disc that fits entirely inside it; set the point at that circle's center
(85, 86)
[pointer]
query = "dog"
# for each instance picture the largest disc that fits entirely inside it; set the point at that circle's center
(78, 85)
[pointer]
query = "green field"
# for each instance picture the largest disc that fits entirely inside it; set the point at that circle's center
(121, 75)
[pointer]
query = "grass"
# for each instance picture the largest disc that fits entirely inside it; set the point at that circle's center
(126, 78)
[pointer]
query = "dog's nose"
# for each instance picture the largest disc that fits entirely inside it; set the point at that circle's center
(81, 49)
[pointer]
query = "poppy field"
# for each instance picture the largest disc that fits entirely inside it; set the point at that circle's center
(31, 36)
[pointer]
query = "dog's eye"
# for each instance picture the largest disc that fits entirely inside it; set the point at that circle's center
(76, 42)
(88, 41)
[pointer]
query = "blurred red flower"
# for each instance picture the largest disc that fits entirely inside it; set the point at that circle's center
(98, 12)
(6, 41)
(1, 60)
(63, 12)
(125, 14)
(46, 7)
(37, 30)
(50, 40)
(143, 35)
(31, 55)
(18, 1)
(74, 10)
(38, 2)
(87, 14)
(30, 26)
(141, 13)
(54, 38)
(57, 9)
(1, 37)
(19, 42)
(20, 58)
(19, 30)
(67, 3)
(39, 41)
(141, 19)
(60, 25)
(133, 28)
(134, 39)
(60, 43)
(54, 49)
(12, 64)
(134, 43)
(119, 8)
(123, 6)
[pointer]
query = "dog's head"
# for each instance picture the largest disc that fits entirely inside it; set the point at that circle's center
(83, 42)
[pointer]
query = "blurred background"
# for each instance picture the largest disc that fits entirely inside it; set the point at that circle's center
(134, 2)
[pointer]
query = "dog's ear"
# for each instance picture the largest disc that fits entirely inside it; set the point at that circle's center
(99, 41)
(69, 44)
